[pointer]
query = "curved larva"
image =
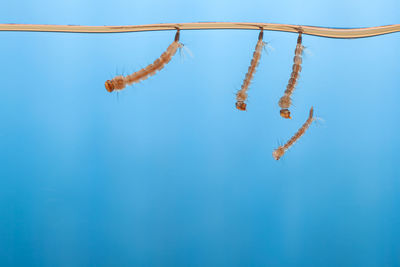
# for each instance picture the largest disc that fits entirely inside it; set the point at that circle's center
(120, 82)
(286, 101)
(280, 151)
(241, 95)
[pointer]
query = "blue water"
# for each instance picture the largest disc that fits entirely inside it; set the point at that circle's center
(169, 173)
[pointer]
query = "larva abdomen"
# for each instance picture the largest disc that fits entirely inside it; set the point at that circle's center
(297, 60)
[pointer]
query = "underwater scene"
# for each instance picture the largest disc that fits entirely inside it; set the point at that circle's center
(206, 147)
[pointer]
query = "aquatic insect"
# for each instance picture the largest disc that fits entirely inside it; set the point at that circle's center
(241, 95)
(120, 82)
(280, 151)
(286, 101)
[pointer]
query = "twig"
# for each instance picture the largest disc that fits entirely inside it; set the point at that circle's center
(344, 33)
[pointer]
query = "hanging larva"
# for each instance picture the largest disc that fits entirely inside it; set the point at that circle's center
(280, 151)
(120, 82)
(241, 95)
(286, 101)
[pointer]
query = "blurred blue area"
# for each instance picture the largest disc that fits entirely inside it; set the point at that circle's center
(169, 173)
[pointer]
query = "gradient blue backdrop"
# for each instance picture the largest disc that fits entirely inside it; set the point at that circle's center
(170, 173)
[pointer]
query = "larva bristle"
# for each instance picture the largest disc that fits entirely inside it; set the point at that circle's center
(241, 95)
(285, 101)
(120, 82)
(280, 151)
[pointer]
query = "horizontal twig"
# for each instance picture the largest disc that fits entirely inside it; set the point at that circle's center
(345, 33)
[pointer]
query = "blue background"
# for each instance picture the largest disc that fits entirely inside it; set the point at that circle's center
(170, 173)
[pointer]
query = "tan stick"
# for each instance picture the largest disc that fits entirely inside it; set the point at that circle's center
(310, 30)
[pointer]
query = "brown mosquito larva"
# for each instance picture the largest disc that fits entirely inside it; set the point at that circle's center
(120, 82)
(280, 151)
(285, 102)
(241, 95)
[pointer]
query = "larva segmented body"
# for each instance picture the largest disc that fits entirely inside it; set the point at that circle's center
(285, 101)
(120, 82)
(241, 95)
(280, 151)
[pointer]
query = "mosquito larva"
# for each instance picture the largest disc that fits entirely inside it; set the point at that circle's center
(241, 95)
(120, 82)
(286, 101)
(278, 153)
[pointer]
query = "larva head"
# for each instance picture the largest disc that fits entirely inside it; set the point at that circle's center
(285, 113)
(118, 83)
(240, 105)
(109, 86)
(278, 153)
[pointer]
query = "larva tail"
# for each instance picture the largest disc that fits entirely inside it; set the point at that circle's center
(120, 82)
(241, 95)
(280, 151)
